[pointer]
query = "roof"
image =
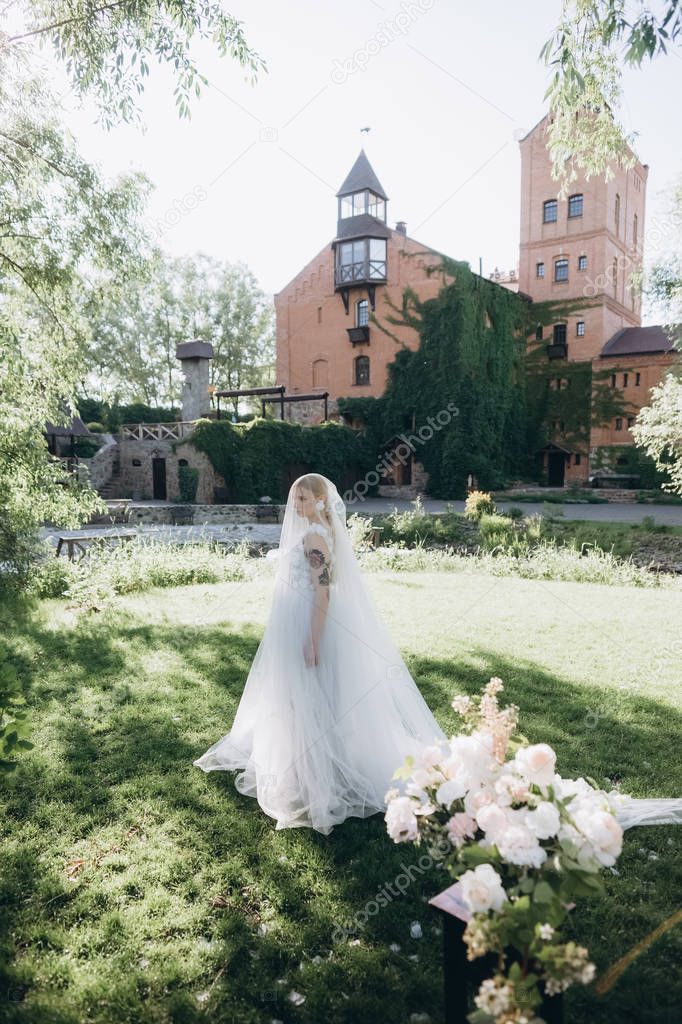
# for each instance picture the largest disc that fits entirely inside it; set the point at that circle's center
(194, 350)
(75, 427)
(361, 176)
(634, 341)
(364, 226)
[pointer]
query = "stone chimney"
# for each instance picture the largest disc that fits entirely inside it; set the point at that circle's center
(401, 227)
(194, 357)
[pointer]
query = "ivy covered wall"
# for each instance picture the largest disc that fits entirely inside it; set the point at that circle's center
(263, 456)
(471, 356)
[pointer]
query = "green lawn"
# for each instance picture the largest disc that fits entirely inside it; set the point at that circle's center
(137, 888)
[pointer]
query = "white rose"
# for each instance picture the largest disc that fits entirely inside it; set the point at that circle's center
(430, 756)
(451, 790)
(604, 834)
(544, 821)
(493, 820)
(536, 764)
(401, 822)
(482, 889)
(518, 845)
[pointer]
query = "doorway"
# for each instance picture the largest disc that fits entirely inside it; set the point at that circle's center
(556, 469)
(159, 479)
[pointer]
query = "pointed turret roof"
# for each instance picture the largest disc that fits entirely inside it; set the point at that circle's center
(360, 176)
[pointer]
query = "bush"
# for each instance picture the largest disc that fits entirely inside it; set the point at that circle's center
(188, 481)
(95, 427)
(479, 503)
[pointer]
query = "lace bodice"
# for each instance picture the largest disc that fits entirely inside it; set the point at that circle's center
(300, 567)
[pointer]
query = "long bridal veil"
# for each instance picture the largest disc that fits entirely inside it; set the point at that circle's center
(318, 743)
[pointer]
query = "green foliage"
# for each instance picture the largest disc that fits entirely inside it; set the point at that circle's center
(463, 388)
(632, 461)
(13, 718)
(188, 481)
(477, 504)
(107, 48)
(264, 456)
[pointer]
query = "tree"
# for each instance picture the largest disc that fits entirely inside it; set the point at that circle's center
(658, 430)
(66, 238)
(592, 42)
(106, 46)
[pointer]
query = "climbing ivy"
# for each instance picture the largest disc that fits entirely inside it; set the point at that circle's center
(263, 456)
(470, 358)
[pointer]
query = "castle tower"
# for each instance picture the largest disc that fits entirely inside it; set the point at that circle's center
(582, 247)
(194, 358)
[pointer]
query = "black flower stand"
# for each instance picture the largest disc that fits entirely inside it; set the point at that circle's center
(462, 977)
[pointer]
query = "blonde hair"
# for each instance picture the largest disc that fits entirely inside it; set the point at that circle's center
(314, 483)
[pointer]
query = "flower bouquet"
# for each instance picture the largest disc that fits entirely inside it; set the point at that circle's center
(522, 842)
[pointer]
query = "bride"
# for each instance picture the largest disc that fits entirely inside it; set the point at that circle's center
(329, 710)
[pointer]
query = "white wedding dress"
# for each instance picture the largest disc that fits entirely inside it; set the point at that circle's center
(317, 744)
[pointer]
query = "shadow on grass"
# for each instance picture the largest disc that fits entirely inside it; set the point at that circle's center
(117, 750)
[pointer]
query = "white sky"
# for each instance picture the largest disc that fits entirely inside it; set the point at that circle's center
(253, 175)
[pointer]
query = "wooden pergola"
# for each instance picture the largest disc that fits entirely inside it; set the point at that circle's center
(272, 394)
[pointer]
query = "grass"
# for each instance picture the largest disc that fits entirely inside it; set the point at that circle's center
(137, 889)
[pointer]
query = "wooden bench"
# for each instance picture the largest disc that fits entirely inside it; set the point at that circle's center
(80, 542)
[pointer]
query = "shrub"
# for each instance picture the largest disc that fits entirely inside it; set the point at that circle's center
(479, 503)
(188, 481)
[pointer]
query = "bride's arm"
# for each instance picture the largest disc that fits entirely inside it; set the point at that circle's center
(317, 553)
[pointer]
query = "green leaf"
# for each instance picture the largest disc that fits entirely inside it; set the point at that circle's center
(543, 893)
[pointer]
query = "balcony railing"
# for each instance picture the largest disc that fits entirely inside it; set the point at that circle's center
(559, 350)
(356, 335)
(157, 431)
(356, 273)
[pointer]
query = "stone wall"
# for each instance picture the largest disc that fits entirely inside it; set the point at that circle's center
(138, 480)
(100, 467)
(164, 514)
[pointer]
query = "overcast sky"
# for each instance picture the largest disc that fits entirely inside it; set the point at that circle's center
(253, 175)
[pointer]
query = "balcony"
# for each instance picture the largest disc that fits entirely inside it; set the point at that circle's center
(559, 350)
(363, 272)
(358, 335)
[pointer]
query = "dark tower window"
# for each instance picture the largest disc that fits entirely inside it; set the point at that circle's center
(362, 313)
(559, 334)
(362, 370)
(561, 270)
(549, 211)
(575, 205)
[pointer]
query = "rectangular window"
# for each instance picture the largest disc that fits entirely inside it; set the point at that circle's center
(617, 213)
(625, 380)
(538, 332)
(377, 257)
(637, 378)
(613, 380)
(559, 334)
(576, 459)
(619, 422)
(549, 211)
(580, 328)
(575, 205)
(561, 270)
(631, 421)
(362, 313)
(582, 262)
(359, 203)
(539, 269)
(634, 231)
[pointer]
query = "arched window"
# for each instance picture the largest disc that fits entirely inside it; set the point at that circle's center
(362, 370)
(320, 375)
